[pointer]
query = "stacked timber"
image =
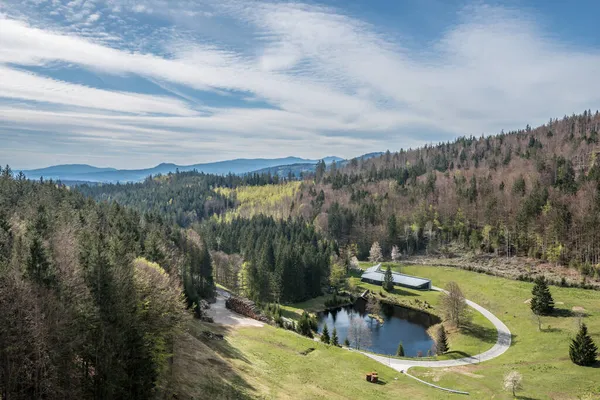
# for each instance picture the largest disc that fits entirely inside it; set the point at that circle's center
(245, 307)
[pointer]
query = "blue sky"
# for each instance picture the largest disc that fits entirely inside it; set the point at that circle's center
(131, 84)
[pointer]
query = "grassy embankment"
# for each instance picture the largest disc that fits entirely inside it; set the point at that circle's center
(270, 363)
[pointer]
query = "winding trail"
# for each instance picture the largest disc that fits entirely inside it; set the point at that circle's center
(502, 344)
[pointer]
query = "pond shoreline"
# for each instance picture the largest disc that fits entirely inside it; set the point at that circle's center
(394, 324)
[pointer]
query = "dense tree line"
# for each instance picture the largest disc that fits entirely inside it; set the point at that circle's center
(181, 198)
(90, 298)
(285, 260)
(532, 192)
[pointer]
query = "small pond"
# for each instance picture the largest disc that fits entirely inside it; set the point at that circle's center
(400, 325)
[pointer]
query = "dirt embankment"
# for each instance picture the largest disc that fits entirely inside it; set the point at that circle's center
(518, 268)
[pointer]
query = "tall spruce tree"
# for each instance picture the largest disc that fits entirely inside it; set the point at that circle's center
(388, 280)
(441, 345)
(334, 341)
(583, 351)
(38, 266)
(325, 334)
(541, 302)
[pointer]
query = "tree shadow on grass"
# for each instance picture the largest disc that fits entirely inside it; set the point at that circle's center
(456, 354)
(289, 314)
(550, 330)
(401, 292)
(201, 368)
(488, 335)
(222, 347)
(564, 313)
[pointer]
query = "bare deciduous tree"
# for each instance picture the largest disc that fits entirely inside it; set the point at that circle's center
(375, 255)
(373, 307)
(359, 333)
(354, 263)
(395, 253)
(454, 305)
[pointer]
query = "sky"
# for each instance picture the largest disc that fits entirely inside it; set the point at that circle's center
(131, 84)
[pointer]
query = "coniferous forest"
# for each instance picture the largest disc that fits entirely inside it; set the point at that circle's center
(90, 298)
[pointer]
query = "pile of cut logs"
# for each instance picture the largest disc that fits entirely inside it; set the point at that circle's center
(245, 307)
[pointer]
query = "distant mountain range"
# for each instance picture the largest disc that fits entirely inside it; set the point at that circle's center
(299, 168)
(88, 173)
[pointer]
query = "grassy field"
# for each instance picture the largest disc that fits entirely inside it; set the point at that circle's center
(270, 363)
(541, 357)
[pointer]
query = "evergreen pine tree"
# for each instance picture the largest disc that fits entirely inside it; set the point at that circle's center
(303, 325)
(388, 280)
(400, 351)
(346, 342)
(583, 350)
(334, 338)
(442, 341)
(541, 302)
(38, 266)
(325, 334)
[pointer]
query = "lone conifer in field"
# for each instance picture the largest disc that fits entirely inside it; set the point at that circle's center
(441, 346)
(541, 302)
(583, 350)
(334, 338)
(325, 335)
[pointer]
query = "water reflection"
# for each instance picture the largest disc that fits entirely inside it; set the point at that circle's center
(401, 324)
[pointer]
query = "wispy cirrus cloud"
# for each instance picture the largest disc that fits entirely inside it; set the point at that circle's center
(202, 81)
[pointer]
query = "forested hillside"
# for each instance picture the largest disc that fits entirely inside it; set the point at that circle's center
(267, 258)
(533, 192)
(90, 294)
(181, 198)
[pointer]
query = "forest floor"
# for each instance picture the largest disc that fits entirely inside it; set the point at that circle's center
(274, 363)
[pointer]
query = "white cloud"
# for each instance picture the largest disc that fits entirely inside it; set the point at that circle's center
(22, 85)
(332, 84)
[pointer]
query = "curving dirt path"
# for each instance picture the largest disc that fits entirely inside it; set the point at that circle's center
(502, 344)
